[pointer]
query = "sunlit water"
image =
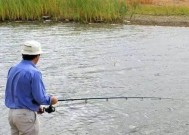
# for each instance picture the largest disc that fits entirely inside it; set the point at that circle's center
(101, 60)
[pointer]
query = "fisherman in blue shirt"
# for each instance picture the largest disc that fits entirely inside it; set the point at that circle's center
(25, 92)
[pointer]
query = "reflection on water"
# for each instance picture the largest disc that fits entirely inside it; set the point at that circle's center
(98, 60)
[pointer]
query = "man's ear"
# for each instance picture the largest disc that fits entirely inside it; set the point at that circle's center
(36, 59)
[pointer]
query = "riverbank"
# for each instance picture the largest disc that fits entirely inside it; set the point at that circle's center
(158, 12)
(161, 12)
(136, 12)
(180, 21)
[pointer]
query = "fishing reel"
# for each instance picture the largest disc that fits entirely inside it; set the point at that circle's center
(50, 109)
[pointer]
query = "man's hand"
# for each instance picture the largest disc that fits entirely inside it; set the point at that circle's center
(41, 110)
(54, 100)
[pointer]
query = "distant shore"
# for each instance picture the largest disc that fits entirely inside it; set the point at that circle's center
(180, 21)
(161, 13)
(136, 12)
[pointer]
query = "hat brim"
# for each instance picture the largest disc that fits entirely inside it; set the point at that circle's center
(30, 53)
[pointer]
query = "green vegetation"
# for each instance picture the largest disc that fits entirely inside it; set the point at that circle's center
(82, 10)
(72, 10)
(162, 10)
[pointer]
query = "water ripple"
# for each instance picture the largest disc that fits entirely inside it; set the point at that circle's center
(99, 60)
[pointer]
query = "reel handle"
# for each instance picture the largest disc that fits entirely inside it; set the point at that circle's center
(50, 109)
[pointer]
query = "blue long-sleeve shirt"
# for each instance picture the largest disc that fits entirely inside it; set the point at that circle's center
(25, 88)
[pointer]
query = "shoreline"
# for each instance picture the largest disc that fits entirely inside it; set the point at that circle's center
(129, 12)
(179, 21)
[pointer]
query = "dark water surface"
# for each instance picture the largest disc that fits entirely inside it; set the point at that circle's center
(99, 60)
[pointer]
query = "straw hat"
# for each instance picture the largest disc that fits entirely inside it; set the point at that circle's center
(31, 47)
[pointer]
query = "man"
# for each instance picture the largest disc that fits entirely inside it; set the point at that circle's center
(25, 92)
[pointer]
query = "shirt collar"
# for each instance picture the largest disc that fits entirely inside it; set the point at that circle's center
(28, 62)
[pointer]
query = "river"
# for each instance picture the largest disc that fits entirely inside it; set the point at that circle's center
(101, 60)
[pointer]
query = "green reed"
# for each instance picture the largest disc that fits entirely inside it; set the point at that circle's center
(82, 10)
(72, 10)
(167, 10)
(135, 7)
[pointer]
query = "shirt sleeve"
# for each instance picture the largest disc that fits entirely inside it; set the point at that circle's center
(38, 90)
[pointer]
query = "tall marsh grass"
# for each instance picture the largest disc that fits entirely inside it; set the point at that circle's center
(83, 10)
(150, 7)
(167, 10)
(140, 1)
(76, 10)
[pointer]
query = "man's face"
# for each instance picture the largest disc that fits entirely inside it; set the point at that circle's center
(36, 59)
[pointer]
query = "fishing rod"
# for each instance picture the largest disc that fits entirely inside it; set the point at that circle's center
(51, 108)
(107, 98)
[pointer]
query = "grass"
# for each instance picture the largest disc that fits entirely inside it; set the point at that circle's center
(76, 10)
(140, 1)
(148, 7)
(84, 10)
(162, 10)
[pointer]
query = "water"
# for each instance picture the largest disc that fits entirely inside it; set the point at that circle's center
(100, 60)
